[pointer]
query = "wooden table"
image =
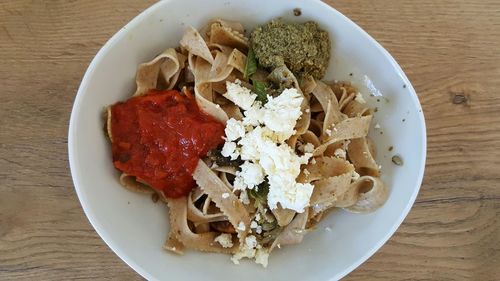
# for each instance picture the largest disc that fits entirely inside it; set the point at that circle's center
(449, 49)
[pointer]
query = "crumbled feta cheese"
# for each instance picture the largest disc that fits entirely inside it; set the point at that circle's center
(234, 129)
(244, 197)
(328, 132)
(262, 257)
(241, 226)
(254, 116)
(309, 148)
(229, 150)
(262, 135)
(251, 241)
(377, 126)
(308, 110)
(281, 112)
(239, 184)
(291, 195)
(253, 225)
(281, 159)
(251, 174)
(340, 153)
(282, 166)
(313, 161)
(247, 250)
(225, 195)
(250, 144)
(244, 252)
(258, 230)
(359, 98)
(225, 240)
(239, 95)
(258, 217)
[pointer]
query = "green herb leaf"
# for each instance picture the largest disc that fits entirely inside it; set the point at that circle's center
(251, 64)
(259, 88)
(260, 192)
(216, 156)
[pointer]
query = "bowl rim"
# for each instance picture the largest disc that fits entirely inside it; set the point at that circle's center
(74, 166)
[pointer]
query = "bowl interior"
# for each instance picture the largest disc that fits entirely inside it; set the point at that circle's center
(135, 228)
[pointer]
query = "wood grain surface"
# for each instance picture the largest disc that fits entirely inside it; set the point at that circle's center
(450, 50)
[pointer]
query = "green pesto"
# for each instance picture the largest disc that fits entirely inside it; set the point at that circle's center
(304, 48)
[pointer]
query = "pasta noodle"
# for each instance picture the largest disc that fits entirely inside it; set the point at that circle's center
(343, 170)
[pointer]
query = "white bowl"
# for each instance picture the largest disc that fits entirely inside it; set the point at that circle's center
(135, 228)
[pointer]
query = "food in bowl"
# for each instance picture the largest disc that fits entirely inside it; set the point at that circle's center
(241, 138)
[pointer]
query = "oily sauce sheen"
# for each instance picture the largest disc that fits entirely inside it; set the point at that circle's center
(159, 138)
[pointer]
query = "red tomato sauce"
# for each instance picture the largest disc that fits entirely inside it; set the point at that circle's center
(159, 138)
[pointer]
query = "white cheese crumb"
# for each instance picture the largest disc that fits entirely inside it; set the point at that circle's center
(281, 112)
(380, 167)
(313, 161)
(377, 126)
(251, 174)
(251, 241)
(254, 116)
(247, 250)
(253, 225)
(329, 229)
(234, 129)
(241, 226)
(309, 148)
(308, 110)
(291, 195)
(262, 257)
(229, 150)
(359, 98)
(340, 153)
(244, 197)
(282, 167)
(225, 240)
(225, 195)
(239, 95)
(258, 217)
(328, 132)
(258, 230)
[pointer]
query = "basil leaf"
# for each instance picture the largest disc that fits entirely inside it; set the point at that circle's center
(260, 192)
(259, 88)
(251, 64)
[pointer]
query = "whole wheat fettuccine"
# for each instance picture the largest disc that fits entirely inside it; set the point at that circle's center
(218, 215)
